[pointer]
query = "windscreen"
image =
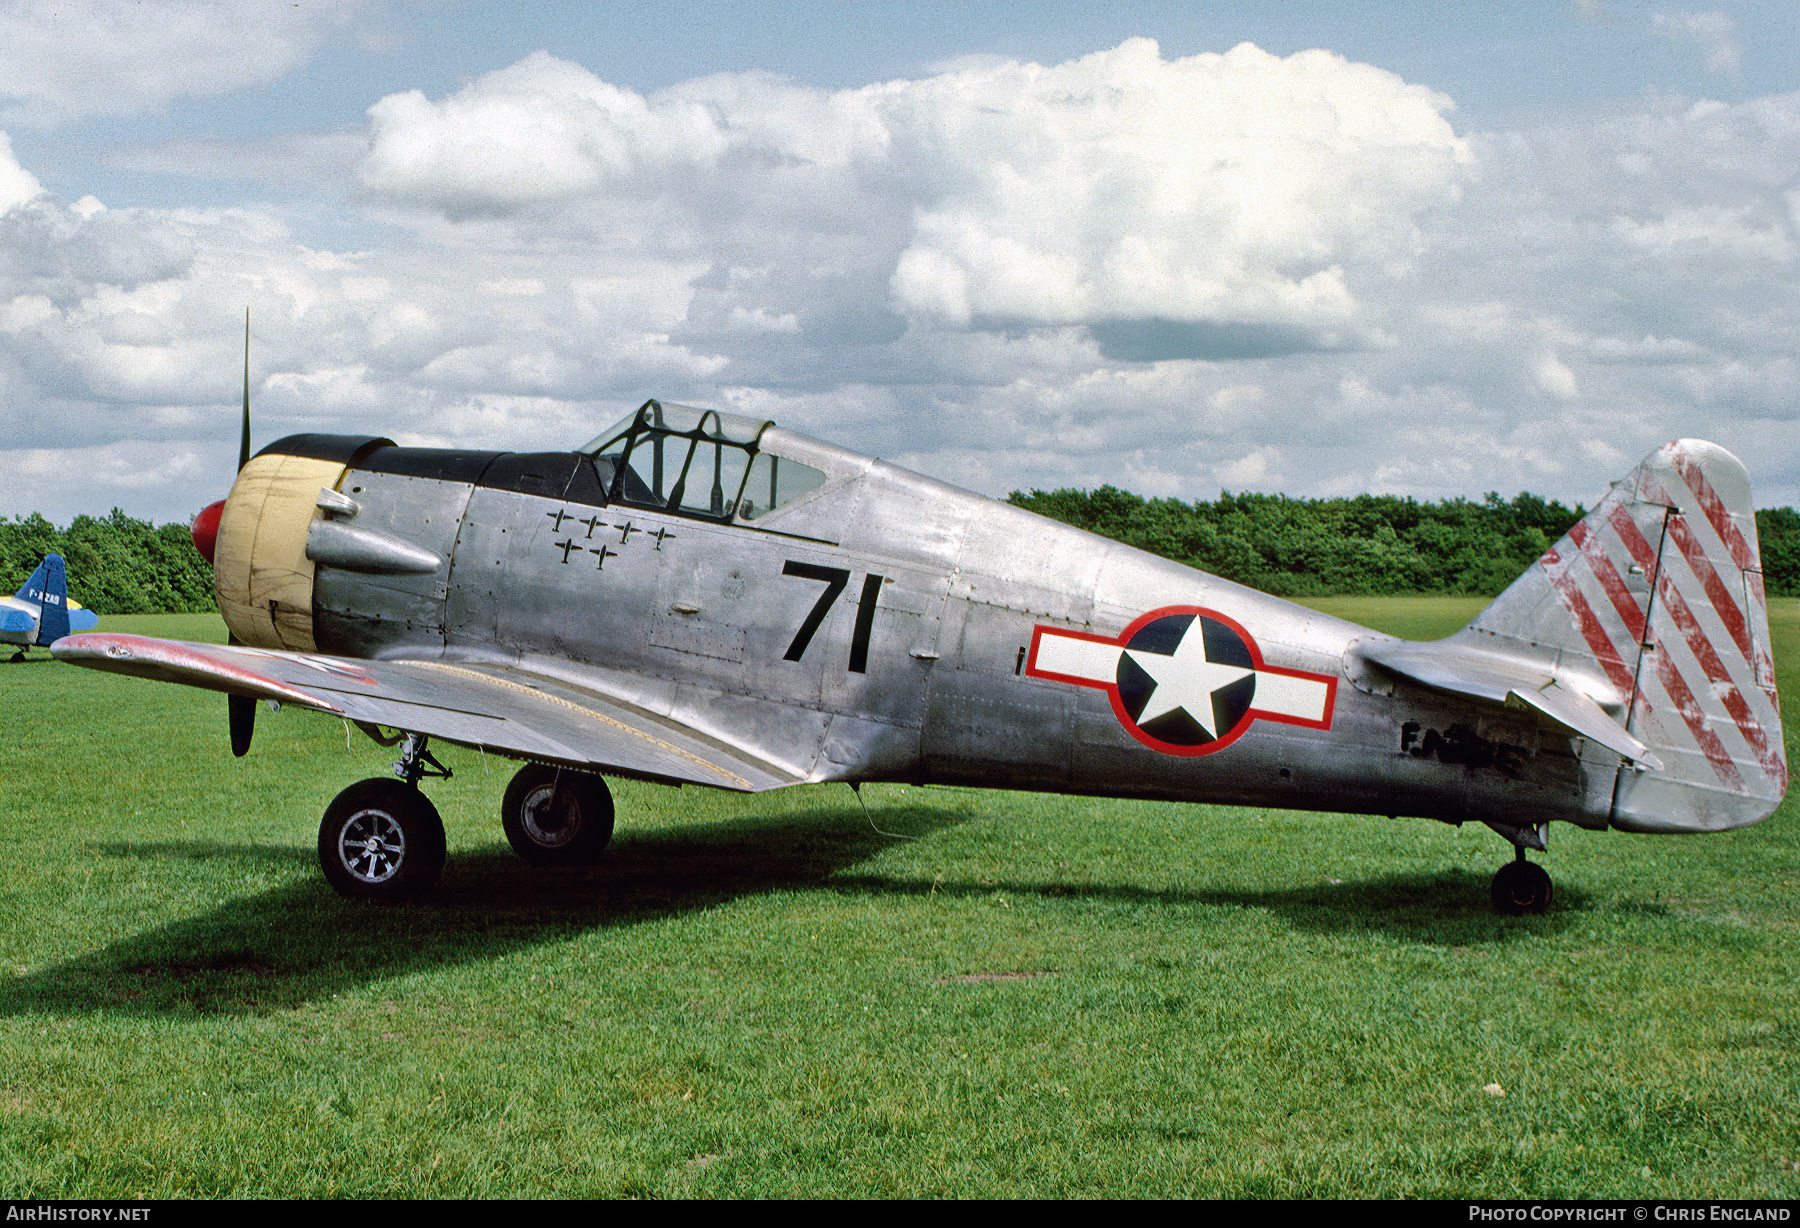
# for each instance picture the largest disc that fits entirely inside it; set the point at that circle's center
(698, 462)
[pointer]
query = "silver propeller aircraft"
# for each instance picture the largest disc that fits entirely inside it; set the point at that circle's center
(701, 598)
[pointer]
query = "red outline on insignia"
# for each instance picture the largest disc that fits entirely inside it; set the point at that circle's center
(1167, 748)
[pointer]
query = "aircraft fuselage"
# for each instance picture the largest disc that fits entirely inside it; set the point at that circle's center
(888, 626)
(698, 597)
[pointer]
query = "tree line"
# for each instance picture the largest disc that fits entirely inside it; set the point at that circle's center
(1367, 545)
(117, 565)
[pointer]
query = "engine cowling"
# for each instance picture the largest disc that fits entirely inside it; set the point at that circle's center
(262, 577)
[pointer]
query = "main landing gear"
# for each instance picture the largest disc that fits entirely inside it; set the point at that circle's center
(382, 839)
(557, 816)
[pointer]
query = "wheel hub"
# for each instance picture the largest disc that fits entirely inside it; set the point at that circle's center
(372, 846)
(548, 823)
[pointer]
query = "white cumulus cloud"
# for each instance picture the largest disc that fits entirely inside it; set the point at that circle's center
(1238, 189)
(1220, 203)
(61, 60)
(17, 185)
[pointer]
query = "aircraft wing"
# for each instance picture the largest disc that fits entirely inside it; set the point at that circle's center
(496, 707)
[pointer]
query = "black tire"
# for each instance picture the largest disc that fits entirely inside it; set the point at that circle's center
(1521, 887)
(557, 816)
(381, 839)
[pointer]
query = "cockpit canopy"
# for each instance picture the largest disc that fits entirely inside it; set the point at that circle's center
(697, 462)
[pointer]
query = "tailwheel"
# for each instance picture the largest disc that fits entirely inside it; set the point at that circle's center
(1521, 887)
(557, 816)
(381, 840)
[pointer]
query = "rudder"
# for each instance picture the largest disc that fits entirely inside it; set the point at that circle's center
(48, 588)
(1656, 596)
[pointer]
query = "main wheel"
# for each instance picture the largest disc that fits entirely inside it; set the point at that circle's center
(557, 816)
(1521, 887)
(381, 839)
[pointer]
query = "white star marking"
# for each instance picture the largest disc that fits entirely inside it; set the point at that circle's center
(1186, 680)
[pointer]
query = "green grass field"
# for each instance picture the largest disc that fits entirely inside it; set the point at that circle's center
(958, 994)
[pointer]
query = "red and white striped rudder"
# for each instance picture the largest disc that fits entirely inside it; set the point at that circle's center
(1656, 597)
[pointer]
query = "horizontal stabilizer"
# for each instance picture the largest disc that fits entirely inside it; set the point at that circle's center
(1587, 718)
(1449, 666)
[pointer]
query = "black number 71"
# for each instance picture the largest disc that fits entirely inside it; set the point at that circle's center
(835, 578)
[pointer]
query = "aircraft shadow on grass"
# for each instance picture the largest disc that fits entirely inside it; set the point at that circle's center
(296, 944)
(1431, 908)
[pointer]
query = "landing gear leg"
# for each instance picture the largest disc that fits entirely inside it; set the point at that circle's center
(415, 761)
(1521, 887)
(382, 839)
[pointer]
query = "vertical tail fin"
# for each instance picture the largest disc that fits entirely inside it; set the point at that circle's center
(1656, 600)
(29, 590)
(48, 589)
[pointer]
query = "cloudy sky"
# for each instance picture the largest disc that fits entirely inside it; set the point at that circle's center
(1313, 248)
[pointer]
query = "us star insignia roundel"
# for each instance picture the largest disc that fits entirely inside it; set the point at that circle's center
(1184, 680)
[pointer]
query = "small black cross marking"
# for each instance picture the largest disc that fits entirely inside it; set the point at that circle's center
(559, 515)
(603, 552)
(566, 547)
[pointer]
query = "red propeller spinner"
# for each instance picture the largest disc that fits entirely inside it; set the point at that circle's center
(205, 529)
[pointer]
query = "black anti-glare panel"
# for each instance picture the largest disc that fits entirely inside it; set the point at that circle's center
(549, 475)
(532, 473)
(349, 449)
(443, 464)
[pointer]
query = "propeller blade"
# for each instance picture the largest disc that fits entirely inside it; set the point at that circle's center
(244, 439)
(241, 709)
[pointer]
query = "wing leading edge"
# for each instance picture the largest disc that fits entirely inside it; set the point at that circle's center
(493, 707)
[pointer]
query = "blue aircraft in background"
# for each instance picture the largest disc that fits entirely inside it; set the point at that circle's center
(40, 613)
